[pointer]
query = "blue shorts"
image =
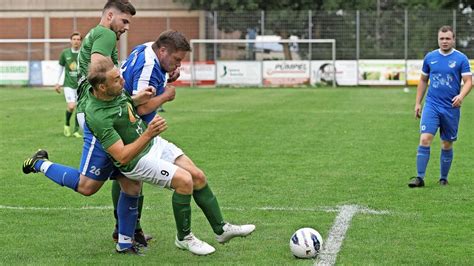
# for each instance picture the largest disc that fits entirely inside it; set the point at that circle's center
(446, 119)
(95, 163)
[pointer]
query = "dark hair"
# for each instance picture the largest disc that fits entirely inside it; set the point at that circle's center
(123, 6)
(447, 28)
(173, 41)
(75, 33)
(98, 70)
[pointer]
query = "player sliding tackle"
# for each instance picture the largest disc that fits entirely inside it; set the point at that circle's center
(142, 155)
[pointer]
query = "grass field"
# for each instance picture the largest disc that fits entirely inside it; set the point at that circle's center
(279, 158)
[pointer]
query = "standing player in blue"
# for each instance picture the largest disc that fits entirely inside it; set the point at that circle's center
(146, 67)
(445, 68)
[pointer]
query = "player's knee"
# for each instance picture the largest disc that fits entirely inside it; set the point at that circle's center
(199, 178)
(87, 191)
(182, 182)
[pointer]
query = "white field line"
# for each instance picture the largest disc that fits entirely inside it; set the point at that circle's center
(333, 243)
(331, 246)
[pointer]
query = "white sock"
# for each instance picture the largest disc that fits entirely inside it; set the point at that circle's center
(45, 166)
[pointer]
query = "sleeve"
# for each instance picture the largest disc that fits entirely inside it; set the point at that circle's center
(465, 67)
(60, 79)
(425, 70)
(62, 59)
(103, 130)
(105, 43)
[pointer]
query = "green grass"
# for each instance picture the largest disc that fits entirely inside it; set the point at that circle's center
(296, 149)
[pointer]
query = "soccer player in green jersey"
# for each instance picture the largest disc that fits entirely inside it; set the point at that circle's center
(142, 155)
(68, 65)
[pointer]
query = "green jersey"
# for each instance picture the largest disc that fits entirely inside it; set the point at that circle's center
(113, 120)
(99, 40)
(68, 59)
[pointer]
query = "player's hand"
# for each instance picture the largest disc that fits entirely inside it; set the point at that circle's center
(57, 88)
(417, 110)
(170, 93)
(457, 101)
(143, 96)
(156, 126)
(174, 75)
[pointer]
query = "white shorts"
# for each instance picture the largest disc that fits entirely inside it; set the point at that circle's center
(157, 166)
(70, 94)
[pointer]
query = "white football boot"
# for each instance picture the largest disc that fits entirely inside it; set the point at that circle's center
(193, 244)
(231, 231)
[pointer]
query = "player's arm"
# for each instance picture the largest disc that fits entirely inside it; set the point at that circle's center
(420, 93)
(466, 88)
(143, 96)
(125, 153)
(157, 101)
(57, 87)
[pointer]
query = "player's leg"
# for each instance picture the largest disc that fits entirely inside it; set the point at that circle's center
(127, 214)
(428, 126)
(155, 171)
(60, 174)
(70, 96)
(139, 236)
(207, 201)
(448, 133)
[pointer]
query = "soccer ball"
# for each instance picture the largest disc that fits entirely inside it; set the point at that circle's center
(306, 243)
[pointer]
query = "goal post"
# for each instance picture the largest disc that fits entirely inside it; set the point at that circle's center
(22, 49)
(194, 42)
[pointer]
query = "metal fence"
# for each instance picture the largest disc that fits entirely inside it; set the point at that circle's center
(404, 34)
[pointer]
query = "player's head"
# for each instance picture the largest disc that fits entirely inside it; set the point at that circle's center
(446, 38)
(76, 40)
(118, 14)
(171, 48)
(105, 77)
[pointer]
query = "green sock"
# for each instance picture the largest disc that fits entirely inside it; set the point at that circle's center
(182, 214)
(140, 207)
(68, 117)
(207, 201)
(115, 197)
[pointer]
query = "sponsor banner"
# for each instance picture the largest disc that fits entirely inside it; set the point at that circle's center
(14, 72)
(414, 71)
(382, 72)
(239, 73)
(50, 73)
(35, 74)
(205, 74)
(322, 72)
(286, 73)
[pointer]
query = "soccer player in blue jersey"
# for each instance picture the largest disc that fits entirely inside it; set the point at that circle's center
(147, 67)
(445, 68)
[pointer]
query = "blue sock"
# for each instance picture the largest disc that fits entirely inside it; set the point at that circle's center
(127, 212)
(422, 158)
(59, 174)
(445, 162)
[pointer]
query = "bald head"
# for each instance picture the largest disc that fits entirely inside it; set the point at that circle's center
(98, 71)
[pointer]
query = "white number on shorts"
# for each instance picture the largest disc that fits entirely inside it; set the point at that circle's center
(95, 171)
(165, 173)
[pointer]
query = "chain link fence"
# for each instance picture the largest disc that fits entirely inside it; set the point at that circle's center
(403, 34)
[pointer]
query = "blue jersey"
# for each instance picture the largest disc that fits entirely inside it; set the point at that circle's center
(142, 69)
(445, 73)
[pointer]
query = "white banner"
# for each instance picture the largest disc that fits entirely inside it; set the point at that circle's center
(414, 71)
(382, 72)
(205, 73)
(239, 73)
(286, 72)
(50, 73)
(322, 72)
(14, 72)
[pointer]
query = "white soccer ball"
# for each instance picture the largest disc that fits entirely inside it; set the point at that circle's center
(306, 243)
